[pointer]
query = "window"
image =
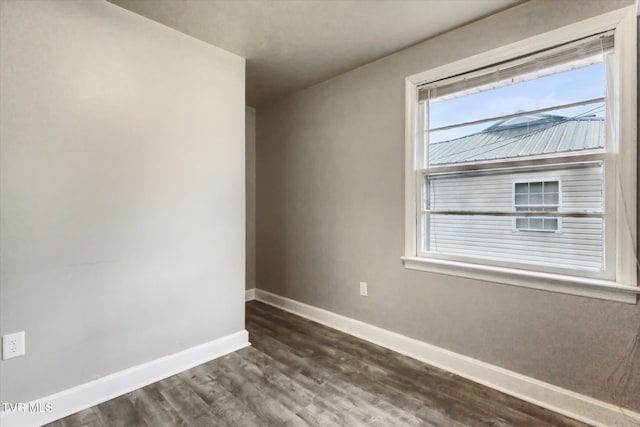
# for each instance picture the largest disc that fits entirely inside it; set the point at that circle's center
(542, 196)
(521, 163)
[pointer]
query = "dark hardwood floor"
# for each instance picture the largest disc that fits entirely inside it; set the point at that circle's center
(300, 373)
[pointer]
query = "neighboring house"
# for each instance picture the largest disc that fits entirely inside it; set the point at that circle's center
(576, 242)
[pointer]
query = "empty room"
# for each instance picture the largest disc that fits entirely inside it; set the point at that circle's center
(319, 213)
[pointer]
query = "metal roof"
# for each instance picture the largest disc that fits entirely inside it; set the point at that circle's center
(522, 137)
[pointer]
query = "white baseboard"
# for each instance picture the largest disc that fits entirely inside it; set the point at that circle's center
(250, 294)
(75, 399)
(566, 402)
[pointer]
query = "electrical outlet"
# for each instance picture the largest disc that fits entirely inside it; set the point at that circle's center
(363, 289)
(13, 345)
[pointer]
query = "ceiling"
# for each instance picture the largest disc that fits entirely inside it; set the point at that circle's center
(292, 44)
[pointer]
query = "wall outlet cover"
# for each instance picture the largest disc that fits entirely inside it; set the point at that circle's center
(363, 289)
(13, 345)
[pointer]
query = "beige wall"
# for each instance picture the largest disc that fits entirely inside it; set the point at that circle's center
(250, 162)
(122, 185)
(330, 213)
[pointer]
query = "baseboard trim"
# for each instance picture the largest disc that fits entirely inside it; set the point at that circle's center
(563, 401)
(250, 294)
(83, 396)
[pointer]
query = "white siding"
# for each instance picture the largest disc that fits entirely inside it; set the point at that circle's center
(577, 244)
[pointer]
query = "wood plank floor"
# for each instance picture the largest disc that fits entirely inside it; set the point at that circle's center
(300, 373)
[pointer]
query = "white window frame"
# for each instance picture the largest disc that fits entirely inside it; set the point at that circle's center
(514, 206)
(620, 283)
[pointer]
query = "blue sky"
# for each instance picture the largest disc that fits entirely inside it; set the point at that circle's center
(556, 89)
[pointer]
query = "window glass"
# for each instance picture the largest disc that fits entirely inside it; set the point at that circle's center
(536, 134)
(466, 210)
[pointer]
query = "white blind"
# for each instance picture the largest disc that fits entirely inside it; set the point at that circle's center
(587, 51)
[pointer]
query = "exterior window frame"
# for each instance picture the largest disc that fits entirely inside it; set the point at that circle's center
(619, 280)
(557, 230)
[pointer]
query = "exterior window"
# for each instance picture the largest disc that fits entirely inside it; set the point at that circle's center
(542, 196)
(483, 132)
(515, 163)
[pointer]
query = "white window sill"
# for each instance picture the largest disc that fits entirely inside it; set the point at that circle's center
(586, 287)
